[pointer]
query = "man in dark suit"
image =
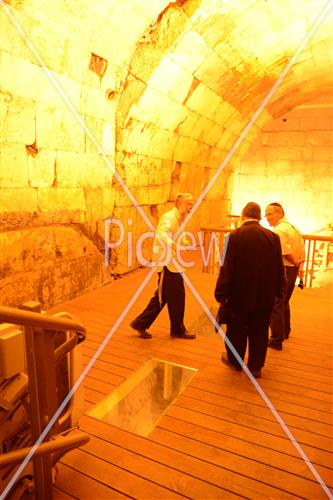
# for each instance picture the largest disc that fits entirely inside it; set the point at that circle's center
(250, 278)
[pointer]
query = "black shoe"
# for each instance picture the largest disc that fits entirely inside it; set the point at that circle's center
(255, 373)
(225, 360)
(144, 334)
(274, 345)
(184, 335)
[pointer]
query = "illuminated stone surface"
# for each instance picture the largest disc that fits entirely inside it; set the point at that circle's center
(180, 82)
(137, 404)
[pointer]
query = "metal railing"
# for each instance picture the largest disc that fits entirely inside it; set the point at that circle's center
(48, 340)
(318, 251)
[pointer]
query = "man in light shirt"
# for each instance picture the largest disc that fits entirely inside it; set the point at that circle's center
(171, 290)
(293, 255)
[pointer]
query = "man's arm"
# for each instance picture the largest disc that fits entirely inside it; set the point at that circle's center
(281, 275)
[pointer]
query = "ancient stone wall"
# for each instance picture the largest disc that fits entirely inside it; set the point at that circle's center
(292, 162)
(108, 107)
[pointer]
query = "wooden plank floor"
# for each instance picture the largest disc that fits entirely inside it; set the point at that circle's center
(219, 439)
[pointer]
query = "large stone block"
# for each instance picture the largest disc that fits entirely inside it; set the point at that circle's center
(94, 102)
(25, 249)
(210, 70)
(50, 264)
(76, 59)
(94, 203)
(171, 79)
(95, 170)
(58, 128)
(118, 43)
(216, 157)
(151, 171)
(189, 124)
(94, 135)
(201, 124)
(18, 200)
(150, 106)
(174, 114)
(190, 51)
(57, 199)
(67, 169)
(10, 38)
(71, 243)
(84, 170)
(202, 155)
(212, 134)
(285, 153)
(41, 169)
(131, 236)
(192, 179)
(323, 153)
(136, 138)
(17, 120)
(13, 166)
(224, 111)
(11, 253)
(226, 140)
(162, 144)
(51, 88)
(204, 101)
(185, 149)
(17, 289)
(108, 201)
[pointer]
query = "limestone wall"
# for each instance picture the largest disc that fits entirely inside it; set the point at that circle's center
(108, 107)
(56, 187)
(292, 162)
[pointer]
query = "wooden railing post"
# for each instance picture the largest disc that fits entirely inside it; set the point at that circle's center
(213, 263)
(313, 263)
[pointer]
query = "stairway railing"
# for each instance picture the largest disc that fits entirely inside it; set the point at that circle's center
(48, 340)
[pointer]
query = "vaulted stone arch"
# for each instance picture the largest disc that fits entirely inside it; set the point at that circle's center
(165, 89)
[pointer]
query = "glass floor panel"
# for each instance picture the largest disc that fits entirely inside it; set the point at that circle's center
(138, 403)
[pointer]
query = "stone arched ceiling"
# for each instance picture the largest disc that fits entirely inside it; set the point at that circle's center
(166, 87)
(185, 76)
(201, 70)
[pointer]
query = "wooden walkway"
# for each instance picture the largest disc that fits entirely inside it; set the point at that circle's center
(219, 439)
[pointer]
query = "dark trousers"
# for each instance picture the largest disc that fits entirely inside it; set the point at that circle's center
(173, 294)
(252, 326)
(280, 320)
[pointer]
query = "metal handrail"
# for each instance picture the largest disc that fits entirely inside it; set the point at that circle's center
(58, 443)
(42, 356)
(45, 321)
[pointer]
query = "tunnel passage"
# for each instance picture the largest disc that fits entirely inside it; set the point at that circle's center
(160, 93)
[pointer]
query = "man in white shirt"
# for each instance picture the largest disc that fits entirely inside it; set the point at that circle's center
(171, 290)
(293, 255)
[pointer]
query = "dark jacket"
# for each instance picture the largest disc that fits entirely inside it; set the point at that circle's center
(252, 273)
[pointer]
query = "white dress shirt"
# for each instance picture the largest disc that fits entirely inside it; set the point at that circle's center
(165, 245)
(292, 242)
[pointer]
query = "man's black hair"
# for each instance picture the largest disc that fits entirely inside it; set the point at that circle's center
(252, 211)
